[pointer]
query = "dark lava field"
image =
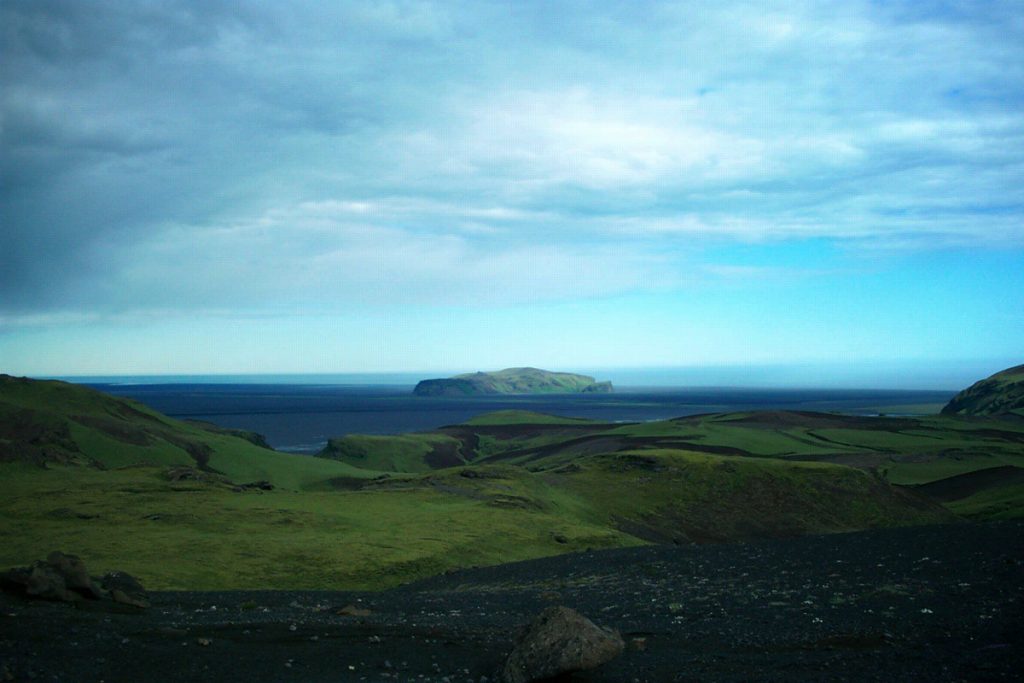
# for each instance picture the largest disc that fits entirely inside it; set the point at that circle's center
(939, 603)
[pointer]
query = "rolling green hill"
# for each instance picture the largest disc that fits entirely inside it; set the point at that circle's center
(49, 422)
(201, 535)
(1001, 394)
(409, 453)
(512, 381)
(903, 451)
(129, 488)
(101, 477)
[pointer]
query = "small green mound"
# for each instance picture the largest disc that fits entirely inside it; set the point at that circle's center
(403, 453)
(524, 417)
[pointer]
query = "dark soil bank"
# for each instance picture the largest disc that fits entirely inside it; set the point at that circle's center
(934, 603)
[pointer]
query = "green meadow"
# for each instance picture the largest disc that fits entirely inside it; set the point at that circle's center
(128, 488)
(199, 535)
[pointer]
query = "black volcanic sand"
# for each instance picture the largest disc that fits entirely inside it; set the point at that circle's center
(939, 603)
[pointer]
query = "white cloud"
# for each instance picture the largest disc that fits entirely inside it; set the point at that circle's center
(318, 255)
(473, 153)
(596, 140)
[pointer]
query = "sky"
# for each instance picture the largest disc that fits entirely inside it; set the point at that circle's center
(317, 187)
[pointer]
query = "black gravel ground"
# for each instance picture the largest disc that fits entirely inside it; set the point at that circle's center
(939, 603)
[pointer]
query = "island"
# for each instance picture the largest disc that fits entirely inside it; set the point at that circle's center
(512, 381)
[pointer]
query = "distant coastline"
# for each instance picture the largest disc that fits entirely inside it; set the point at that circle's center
(903, 375)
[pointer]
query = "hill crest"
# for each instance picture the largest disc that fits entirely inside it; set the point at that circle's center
(998, 395)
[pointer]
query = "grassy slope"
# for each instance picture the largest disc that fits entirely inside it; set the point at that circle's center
(425, 451)
(800, 435)
(581, 484)
(1001, 394)
(998, 502)
(905, 451)
(404, 453)
(201, 535)
(696, 496)
(88, 427)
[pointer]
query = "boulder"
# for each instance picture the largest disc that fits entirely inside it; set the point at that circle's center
(38, 581)
(559, 641)
(124, 588)
(60, 577)
(353, 611)
(64, 578)
(72, 569)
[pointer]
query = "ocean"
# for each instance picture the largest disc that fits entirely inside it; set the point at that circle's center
(300, 418)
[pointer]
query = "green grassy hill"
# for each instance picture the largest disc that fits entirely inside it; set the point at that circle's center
(1002, 394)
(94, 475)
(903, 451)
(50, 422)
(409, 453)
(200, 535)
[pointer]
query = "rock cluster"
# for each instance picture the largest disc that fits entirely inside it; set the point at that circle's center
(559, 641)
(64, 578)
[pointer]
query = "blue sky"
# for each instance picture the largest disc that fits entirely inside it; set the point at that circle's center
(402, 186)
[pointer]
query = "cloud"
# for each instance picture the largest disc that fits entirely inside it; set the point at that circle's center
(217, 156)
(598, 141)
(320, 256)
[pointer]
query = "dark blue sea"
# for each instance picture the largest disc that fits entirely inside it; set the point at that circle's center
(300, 418)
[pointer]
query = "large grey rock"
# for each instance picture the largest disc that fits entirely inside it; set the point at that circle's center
(38, 581)
(64, 577)
(72, 569)
(59, 577)
(559, 641)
